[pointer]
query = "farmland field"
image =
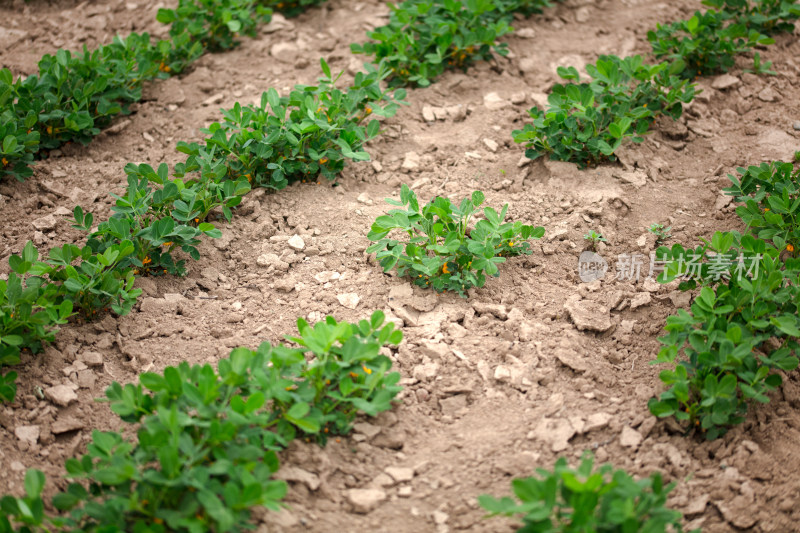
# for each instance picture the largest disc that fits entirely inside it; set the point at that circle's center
(535, 365)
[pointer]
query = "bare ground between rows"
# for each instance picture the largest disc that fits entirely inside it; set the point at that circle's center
(495, 385)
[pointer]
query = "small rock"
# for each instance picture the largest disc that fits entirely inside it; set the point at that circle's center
(491, 145)
(411, 161)
(768, 94)
(519, 98)
(526, 33)
(596, 421)
(29, 434)
(405, 492)
(556, 431)
(722, 202)
(630, 438)
(493, 102)
(326, 276)
(796, 125)
(364, 198)
(214, 99)
(427, 114)
(637, 178)
(697, 505)
(400, 474)
(65, 425)
(86, 379)
(572, 360)
(589, 315)
(641, 299)
(498, 310)
(725, 81)
(91, 359)
(502, 374)
(285, 52)
(16, 466)
(365, 500)
(366, 429)
(440, 518)
(298, 475)
(45, 223)
(296, 243)
(738, 512)
(349, 300)
(61, 395)
(147, 137)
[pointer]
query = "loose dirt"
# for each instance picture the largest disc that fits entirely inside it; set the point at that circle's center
(494, 385)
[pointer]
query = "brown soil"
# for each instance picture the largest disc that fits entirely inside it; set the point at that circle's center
(495, 385)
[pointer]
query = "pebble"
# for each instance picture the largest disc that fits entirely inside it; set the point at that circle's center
(427, 114)
(502, 374)
(630, 438)
(796, 125)
(493, 101)
(596, 421)
(768, 94)
(61, 395)
(29, 434)
(349, 300)
(364, 198)
(588, 315)
(91, 359)
(214, 99)
(365, 500)
(411, 161)
(725, 81)
(519, 98)
(399, 473)
(65, 425)
(404, 492)
(641, 299)
(491, 145)
(285, 52)
(296, 243)
(45, 223)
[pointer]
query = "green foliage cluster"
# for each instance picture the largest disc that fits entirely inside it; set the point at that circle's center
(744, 325)
(567, 500)
(207, 439)
(425, 37)
(308, 133)
(586, 123)
(154, 220)
(440, 248)
(75, 96)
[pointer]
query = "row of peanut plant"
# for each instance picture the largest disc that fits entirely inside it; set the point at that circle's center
(424, 37)
(586, 122)
(743, 326)
(159, 220)
(311, 132)
(75, 96)
(205, 451)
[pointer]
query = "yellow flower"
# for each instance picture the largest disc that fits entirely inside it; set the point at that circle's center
(353, 375)
(444, 269)
(147, 260)
(49, 130)
(167, 244)
(368, 110)
(323, 160)
(5, 161)
(367, 370)
(790, 247)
